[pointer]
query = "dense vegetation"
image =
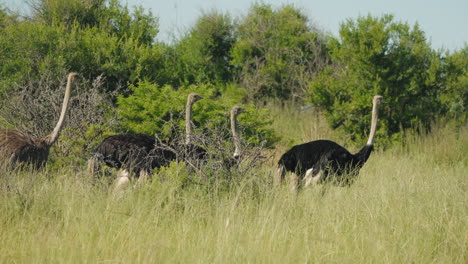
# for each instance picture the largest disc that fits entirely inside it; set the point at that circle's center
(267, 54)
(296, 84)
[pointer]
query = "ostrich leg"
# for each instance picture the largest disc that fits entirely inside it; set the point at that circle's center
(123, 180)
(294, 181)
(279, 176)
(143, 176)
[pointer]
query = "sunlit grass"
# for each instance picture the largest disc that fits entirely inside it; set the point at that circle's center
(409, 205)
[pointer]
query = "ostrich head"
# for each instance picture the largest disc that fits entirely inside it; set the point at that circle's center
(73, 75)
(236, 110)
(193, 98)
(378, 99)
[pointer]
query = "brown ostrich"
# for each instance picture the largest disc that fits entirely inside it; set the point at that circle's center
(17, 147)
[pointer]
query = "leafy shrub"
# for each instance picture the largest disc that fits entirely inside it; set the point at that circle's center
(276, 52)
(454, 96)
(160, 110)
(203, 54)
(379, 56)
(90, 37)
(26, 53)
(3, 15)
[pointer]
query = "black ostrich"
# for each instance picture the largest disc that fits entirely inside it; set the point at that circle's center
(139, 154)
(315, 160)
(136, 154)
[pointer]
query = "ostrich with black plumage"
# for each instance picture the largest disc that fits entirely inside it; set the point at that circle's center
(315, 161)
(138, 154)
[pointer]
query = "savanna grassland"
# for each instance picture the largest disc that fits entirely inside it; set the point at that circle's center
(409, 205)
(296, 83)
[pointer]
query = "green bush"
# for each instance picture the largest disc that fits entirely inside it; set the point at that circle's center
(3, 16)
(161, 110)
(379, 56)
(455, 93)
(26, 52)
(276, 52)
(203, 54)
(94, 38)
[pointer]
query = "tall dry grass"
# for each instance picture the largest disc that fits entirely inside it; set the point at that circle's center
(409, 205)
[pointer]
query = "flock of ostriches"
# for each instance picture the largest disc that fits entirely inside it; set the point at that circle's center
(136, 155)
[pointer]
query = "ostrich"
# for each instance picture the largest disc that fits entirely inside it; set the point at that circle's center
(138, 154)
(235, 111)
(313, 161)
(192, 152)
(19, 147)
(229, 162)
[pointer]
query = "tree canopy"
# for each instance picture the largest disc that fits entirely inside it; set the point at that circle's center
(277, 52)
(377, 55)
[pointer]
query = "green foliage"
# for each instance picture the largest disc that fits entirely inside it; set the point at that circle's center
(151, 109)
(276, 52)
(140, 26)
(455, 95)
(203, 55)
(91, 37)
(3, 16)
(379, 56)
(268, 52)
(107, 15)
(27, 51)
(120, 60)
(147, 110)
(69, 12)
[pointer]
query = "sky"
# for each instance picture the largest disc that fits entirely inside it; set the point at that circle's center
(445, 22)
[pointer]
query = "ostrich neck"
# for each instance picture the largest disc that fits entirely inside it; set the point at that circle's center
(188, 123)
(55, 133)
(375, 116)
(235, 135)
